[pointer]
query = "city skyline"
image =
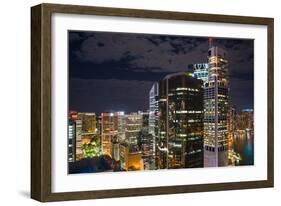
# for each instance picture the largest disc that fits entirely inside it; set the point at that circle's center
(150, 113)
(106, 63)
(96, 155)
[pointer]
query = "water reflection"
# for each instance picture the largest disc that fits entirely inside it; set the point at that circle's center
(243, 145)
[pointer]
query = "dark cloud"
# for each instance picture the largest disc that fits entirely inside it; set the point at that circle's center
(140, 59)
(100, 95)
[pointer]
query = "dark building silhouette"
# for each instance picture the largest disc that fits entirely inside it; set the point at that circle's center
(180, 140)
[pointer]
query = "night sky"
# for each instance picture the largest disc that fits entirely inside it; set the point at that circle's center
(115, 71)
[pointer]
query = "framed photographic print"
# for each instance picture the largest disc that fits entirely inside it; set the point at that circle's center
(132, 102)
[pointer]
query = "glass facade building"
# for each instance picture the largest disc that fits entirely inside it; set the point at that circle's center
(153, 121)
(180, 140)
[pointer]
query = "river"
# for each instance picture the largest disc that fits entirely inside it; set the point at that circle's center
(243, 144)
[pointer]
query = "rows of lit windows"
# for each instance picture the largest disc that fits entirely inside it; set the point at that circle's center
(186, 89)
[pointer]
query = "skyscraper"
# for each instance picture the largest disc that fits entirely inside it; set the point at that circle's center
(133, 128)
(109, 129)
(153, 119)
(146, 143)
(71, 141)
(216, 100)
(79, 152)
(180, 139)
(121, 126)
(76, 125)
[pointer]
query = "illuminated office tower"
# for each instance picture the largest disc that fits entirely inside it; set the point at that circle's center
(133, 128)
(109, 129)
(71, 141)
(180, 139)
(86, 132)
(121, 126)
(216, 99)
(161, 141)
(199, 71)
(146, 143)
(79, 152)
(153, 119)
(74, 117)
(89, 122)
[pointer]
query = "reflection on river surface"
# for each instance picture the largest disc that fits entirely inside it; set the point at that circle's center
(243, 147)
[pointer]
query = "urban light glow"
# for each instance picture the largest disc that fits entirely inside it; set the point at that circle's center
(189, 121)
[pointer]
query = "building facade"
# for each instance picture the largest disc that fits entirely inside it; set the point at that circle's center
(130, 160)
(146, 143)
(180, 140)
(134, 123)
(153, 119)
(216, 105)
(245, 123)
(121, 126)
(115, 148)
(109, 129)
(79, 152)
(71, 141)
(89, 124)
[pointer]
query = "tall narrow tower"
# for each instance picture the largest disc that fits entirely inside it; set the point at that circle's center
(216, 100)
